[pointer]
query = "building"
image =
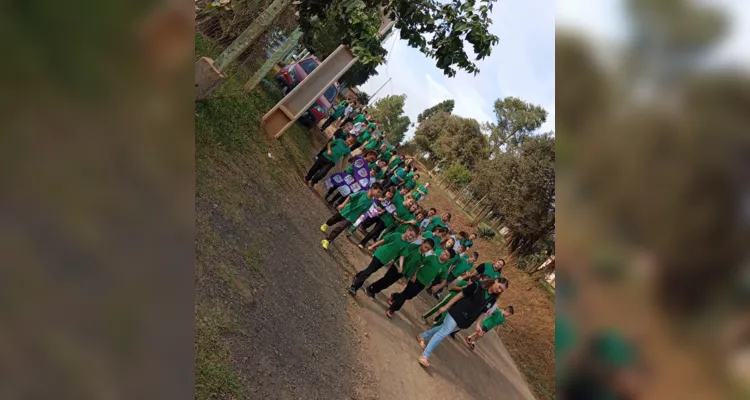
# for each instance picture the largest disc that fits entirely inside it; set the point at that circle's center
(350, 94)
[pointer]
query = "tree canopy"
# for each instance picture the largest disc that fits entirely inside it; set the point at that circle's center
(437, 29)
(520, 184)
(460, 140)
(516, 119)
(443, 106)
(389, 112)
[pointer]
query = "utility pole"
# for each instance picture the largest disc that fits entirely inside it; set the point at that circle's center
(376, 92)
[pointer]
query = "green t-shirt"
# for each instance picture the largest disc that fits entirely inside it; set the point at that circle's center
(417, 195)
(490, 272)
(339, 149)
(380, 175)
(493, 320)
(400, 173)
(394, 162)
(461, 267)
(386, 217)
(435, 221)
(413, 259)
(428, 235)
(468, 243)
(386, 156)
(410, 176)
(406, 217)
(392, 246)
(372, 126)
(360, 118)
(432, 269)
(374, 144)
(358, 203)
(410, 184)
(366, 135)
(338, 111)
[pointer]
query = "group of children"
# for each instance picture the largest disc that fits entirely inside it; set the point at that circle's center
(414, 244)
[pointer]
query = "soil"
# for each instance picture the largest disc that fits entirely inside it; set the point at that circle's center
(291, 331)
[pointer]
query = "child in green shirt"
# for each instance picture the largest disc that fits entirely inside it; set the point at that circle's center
(406, 264)
(387, 249)
(349, 211)
(434, 266)
(484, 325)
(421, 191)
(336, 149)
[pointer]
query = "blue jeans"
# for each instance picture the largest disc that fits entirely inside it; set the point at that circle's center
(437, 334)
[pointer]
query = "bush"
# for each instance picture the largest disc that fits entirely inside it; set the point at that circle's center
(484, 231)
(458, 175)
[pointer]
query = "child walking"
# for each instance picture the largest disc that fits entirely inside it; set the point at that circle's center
(433, 266)
(411, 258)
(387, 249)
(484, 325)
(336, 149)
(461, 311)
(349, 211)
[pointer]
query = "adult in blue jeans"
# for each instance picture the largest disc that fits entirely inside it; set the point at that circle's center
(460, 312)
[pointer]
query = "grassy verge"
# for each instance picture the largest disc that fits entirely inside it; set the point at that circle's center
(229, 141)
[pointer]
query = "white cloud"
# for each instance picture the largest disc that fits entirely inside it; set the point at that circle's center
(521, 65)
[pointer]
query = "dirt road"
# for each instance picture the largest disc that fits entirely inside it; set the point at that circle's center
(290, 329)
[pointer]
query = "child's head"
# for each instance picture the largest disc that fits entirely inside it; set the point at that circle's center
(413, 208)
(499, 264)
(427, 245)
(414, 168)
(449, 243)
(462, 235)
(474, 257)
(439, 231)
(447, 217)
(376, 189)
(426, 185)
(350, 139)
(383, 148)
(404, 191)
(371, 156)
(420, 216)
(447, 255)
(390, 192)
(497, 286)
(382, 164)
(508, 311)
(432, 212)
(348, 127)
(461, 249)
(409, 201)
(375, 171)
(411, 233)
(473, 236)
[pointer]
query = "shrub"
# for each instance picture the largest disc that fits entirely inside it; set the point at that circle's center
(458, 175)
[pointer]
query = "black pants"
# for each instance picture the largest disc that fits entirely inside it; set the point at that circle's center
(328, 122)
(337, 224)
(391, 276)
(374, 232)
(319, 169)
(411, 291)
(337, 199)
(362, 276)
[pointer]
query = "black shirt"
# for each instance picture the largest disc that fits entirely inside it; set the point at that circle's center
(475, 301)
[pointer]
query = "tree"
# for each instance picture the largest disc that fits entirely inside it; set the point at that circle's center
(461, 141)
(443, 106)
(323, 35)
(363, 97)
(447, 26)
(520, 184)
(515, 120)
(389, 111)
(428, 132)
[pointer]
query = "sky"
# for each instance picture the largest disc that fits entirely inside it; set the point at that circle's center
(522, 64)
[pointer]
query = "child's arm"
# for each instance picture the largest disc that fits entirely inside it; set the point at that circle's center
(439, 285)
(330, 153)
(376, 245)
(344, 203)
(451, 302)
(401, 264)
